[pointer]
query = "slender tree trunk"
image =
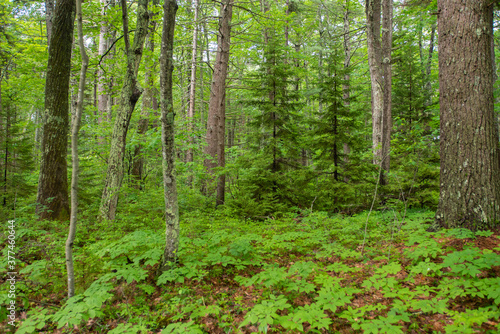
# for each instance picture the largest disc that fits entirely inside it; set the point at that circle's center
(167, 134)
(346, 87)
(373, 9)
(129, 96)
(147, 104)
(192, 90)
(74, 154)
(52, 198)
(428, 66)
(470, 165)
(49, 17)
(102, 95)
(218, 88)
(387, 73)
(221, 154)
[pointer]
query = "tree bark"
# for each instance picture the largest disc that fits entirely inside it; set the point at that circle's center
(167, 134)
(52, 198)
(373, 9)
(74, 154)
(346, 86)
(192, 89)
(129, 96)
(387, 74)
(102, 95)
(216, 108)
(49, 17)
(147, 104)
(470, 166)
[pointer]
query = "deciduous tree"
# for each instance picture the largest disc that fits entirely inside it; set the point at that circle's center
(52, 199)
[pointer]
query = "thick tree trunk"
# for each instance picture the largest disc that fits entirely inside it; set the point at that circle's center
(470, 166)
(216, 111)
(373, 9)
(167, 134)
(74, 154)
(192, 89)
(387, 74)
(129, 96)
(52, 198)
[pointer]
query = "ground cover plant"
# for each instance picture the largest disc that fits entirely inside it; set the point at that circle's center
(304, 272)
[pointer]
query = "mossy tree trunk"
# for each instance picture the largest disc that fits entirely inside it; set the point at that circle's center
(470, 166)
(52, 198)
(167, 134)
(130, 94)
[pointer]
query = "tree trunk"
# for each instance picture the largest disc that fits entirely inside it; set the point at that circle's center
(74, 154)
(102, 95)
(129, 96)
(147, 105)
(49, 17)
(167, 134)
(387, 73)
(52, 198)
(221, 154)
(346, 86)
(216, 111)
(192, 90)
(373, 8)
(470, 166)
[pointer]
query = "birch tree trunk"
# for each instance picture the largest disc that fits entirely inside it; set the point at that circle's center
(129, 96)
(167, 135)
(74, 154)
(216, 108)
(470, 154)
(52, 198)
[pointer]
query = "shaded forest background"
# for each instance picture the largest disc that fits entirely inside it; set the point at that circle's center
(308, 148)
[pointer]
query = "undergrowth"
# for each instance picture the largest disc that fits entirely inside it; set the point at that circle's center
(300, 273)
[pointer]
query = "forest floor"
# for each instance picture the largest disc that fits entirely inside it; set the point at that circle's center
(313, 273)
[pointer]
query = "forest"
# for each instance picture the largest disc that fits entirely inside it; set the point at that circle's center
(258, 166)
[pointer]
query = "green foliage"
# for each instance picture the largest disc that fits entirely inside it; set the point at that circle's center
(264, 314)
(188, 328)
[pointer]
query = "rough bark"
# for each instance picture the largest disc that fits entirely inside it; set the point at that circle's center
(129, 96)
(373, 10)
(52, 198)
(470, 166)
(74, 154)
(192, 89)
(216, 110)
(167, 134)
